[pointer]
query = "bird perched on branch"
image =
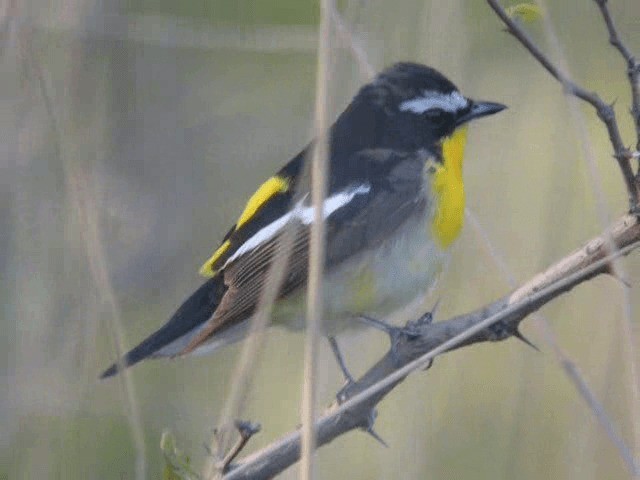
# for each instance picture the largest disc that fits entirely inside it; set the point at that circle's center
(394, 204)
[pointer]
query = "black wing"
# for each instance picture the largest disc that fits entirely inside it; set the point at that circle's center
(395, 193)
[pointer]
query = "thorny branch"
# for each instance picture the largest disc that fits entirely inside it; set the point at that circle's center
(494, 322)
(605, 111)
(633, 66)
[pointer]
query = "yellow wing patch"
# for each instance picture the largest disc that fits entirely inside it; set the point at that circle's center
(448, 188)
(268, 189)
(208, 268)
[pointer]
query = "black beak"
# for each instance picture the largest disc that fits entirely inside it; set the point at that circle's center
(479, 109)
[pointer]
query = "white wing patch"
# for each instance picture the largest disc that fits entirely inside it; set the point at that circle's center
(302, 213)
(430, 100)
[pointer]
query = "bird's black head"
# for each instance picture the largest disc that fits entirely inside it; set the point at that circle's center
(409, 106)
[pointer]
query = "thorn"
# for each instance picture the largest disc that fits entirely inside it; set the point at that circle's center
(524, 339)
(612, 273)
(377, 324)
(428, 365)
(411, 329)
(375, 435)
(629, 153)
(393, 332)
(371, 419)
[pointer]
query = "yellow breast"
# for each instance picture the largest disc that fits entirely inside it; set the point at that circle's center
(448, 190)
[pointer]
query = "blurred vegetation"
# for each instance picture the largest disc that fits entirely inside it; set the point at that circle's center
(256, 12)
(164, 117)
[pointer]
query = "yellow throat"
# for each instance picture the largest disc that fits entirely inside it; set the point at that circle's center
(448, 189)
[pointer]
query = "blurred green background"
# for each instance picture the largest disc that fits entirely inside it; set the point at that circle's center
(133, 131)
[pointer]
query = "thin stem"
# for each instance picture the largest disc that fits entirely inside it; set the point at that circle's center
(81, 195)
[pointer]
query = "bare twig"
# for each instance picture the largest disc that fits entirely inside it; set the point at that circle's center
(633, 66)
(605, 112)
(493, 322)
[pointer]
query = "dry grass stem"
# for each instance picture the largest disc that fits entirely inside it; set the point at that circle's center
(319, 174)
(79, 185)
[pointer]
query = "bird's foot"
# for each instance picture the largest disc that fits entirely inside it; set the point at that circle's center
(341, 396)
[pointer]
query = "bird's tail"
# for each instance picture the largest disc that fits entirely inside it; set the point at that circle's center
(174, 335)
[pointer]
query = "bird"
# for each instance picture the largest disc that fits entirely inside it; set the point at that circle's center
(394, 205)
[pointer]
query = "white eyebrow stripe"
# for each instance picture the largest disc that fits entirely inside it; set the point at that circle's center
(303, 213)
(451, 102)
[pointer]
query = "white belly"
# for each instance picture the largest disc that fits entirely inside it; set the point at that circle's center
(376, 283)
